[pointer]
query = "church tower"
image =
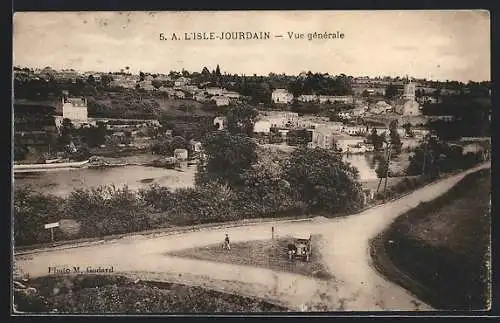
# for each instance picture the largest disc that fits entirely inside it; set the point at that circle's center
(409, 90)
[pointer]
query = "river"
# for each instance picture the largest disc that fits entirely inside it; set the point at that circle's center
(63, 182)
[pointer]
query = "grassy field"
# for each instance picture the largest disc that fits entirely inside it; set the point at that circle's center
(116, 294)
(271, 254)
(443, 245)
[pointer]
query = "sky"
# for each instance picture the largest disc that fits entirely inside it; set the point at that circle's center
(437, 45)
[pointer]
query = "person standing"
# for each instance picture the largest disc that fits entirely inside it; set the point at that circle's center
(226, 242)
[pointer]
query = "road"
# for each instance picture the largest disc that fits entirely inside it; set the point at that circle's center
(356, 284)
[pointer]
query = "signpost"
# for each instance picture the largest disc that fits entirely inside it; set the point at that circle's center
(51, 226)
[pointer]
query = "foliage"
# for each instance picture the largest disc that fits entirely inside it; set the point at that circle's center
(376, 140)
(298, 137)
(228, 156)
(167, 146)
(391, 91)
(241, 120)
(395, 139)
(117, 294)
(321, 84)
(433, 157)
(107, 210)
(323, 181)
(32, 210)
(93, 136)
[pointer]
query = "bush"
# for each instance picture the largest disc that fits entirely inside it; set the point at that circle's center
(32, 211)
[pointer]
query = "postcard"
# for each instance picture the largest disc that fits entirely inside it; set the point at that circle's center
(221, 162)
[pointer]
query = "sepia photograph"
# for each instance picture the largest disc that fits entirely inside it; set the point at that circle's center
(221, 162)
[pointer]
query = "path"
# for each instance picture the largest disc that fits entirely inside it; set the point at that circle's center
(357, 285)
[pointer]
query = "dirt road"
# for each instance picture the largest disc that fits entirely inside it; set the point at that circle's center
(356, 284)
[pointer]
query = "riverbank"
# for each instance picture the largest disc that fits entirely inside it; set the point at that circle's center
(439, 250)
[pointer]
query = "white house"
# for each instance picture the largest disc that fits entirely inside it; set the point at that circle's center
(380, 107)
(182, 81)
(281, 96)
(307, 98)
(345, 142)
(262, 126)
(336, 98)
(200, 97)
(75, 109)
(231, 94)
(214, 91)
(220, 122)
(322, 137)
(345, 114)
(179, 94)
(220, 100)
(355, 130)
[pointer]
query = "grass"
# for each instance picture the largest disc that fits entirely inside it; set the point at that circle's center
(270, 254)
(117, 294)
(443, 245)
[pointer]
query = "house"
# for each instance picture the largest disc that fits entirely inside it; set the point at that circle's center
(336, 98)
(380, 107)
(170, 91)
(214, 91)
(307, 98)
(191, 89)
(346, 142)
(356, 130)
(220, 122)
(262, 126)
(181, 81)
(200, 97)
(220, 100)
(345, 114)
(359, 111)
(75, 109)
(281, 96)
(181, 154)
(179, 95)
(426, 99)
(146, 85)
(322, 137)
(196, 146)
(269, 120)
(231, 94)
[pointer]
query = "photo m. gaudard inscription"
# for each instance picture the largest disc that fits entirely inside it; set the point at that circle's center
(251, 161)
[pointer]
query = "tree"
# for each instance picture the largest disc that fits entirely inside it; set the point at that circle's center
(391, 91)
(94, 136)
(241, 120)
(156, 83)
(376, 140)
(408, 130)
(323, 181)
(227, 157)
(299, 137)
(178, 142)
(66, 131)
(106, 79)
(91, 79)
(394, 136)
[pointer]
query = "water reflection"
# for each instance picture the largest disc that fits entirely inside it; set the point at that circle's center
(63, 182)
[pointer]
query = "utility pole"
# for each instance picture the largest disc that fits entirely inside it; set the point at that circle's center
(388, 162)
(425, 153)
